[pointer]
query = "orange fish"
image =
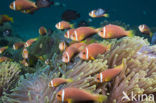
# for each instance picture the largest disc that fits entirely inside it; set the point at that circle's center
(3, 59)
(17, 46)
(25, 53)
(71, 95)
(82, 32)
(24, 62)
(145, 29)
(63, 46)
(58, 81)
(63, 25)
(29, 42)
(69, 33)
(72, 50)
(114, 31)
(5, 18)
(42, 30)
(93, 14)
(109, 74)
(3, 49)
(91, 51)
(20, 5)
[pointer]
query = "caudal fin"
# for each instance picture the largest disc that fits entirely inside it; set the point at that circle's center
(106, 15)
(151, 34)
(130, 33)
(101, 98)
(69, 80)
(122, 65)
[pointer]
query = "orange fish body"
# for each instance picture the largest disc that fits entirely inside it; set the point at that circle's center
(63, 25)
(58, 81)
(74, 94)
(3, 59)
(109, 74)
(42, 30)
(29, 42)
(113, 31)
(82, 32)
(3, 49)
(91, 51)
(25, 53)
(145, 29)
(17, 46)
(62, 46)
(69, 33)
(71, 51)
(22, 5)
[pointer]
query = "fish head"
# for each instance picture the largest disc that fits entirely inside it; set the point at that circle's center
(102, 32)
(59, 26)
(142, 27)
(66, 57)
(84, 54)
(75, 36)
(99, 78)
(13, 5)
(67, 34)
(51, 84)
(92, 13)
(61, 96)
(62, 46)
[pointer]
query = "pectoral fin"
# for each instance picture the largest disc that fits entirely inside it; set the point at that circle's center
(92, 58)
(69, 100)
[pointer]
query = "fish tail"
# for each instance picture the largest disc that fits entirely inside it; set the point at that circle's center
(11, 19)
(108, 46)
(69, 80)
(101, 98)
(151, 34)
(130, 33)
(106, 15)
(71, 25)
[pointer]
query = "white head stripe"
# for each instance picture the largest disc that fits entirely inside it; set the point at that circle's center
(75, 32)
(101, 77)
(26, 44)
(87, 56)
(68, 34)
(67, 56)
(104, 32)
(14, 5)
(52, 84)
(14, 47)
(64, 45)
(59, 25)
(92, 13)
(63, 93)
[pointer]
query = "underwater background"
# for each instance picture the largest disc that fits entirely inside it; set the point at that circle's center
(133, 12)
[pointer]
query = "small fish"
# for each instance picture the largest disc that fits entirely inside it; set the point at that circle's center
(109, 74)
(72, 50)
(42, 30)
(91, 51)
(58, 81)
(5, 18)
(69, 33)
(18, 45)
(29, 42)
(153, 41)
(20, 5)
(98, 13)
(145, 29)
(3, 49)
(83, 32)
(25, 53)
(63, 25)
(111, 31)
(25, 63)
(62, 46)
(69, 15)
(3, 59)
(71, 95)
(44, 3)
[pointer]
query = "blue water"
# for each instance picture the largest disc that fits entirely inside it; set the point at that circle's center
(133, 12)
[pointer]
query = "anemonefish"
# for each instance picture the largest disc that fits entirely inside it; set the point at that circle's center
(72, 50)
(20, 5)
(71, 95)
(62, 25)
(98, 13)
(82, 33)
(69, 33)
(5, 18)
(114, 31)
(17, 46)
(145, 29)
(3, 49)
(63, 45)
(25, 53)
(91, 51)
(58, 81)
(3, 59)
(109, 74)
(29, 42)
(42, 30)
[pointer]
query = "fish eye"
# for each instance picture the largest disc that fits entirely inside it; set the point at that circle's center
(98, 78)
(59, 95)
(84, 53)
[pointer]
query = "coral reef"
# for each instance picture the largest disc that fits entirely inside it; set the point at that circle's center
(9, 73)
